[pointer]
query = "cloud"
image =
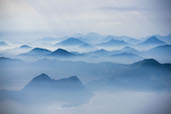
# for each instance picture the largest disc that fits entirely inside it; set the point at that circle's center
(80, 16)
(130, 102)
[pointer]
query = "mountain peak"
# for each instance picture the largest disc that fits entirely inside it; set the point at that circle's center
(114, 42)
(25, 46)
(71, 41)
(42, 77)
(37, 52)
(61, 52)
(74, 78)
(40, 50)
(101, 51)
(72, 38)
(154, 39)
(128, 48)
(149, 62)
(43, 81)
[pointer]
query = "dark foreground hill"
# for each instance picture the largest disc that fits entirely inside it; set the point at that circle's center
(43, 89)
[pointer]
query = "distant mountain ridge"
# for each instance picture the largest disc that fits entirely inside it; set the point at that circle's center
(45, 52)
(126, 49)
(147, 74)
(153, 40)
(37, 52)
(113, 42)
(127, 56)
(101, 52)
(162, 48)
(161, 53)
(5, 59)
(71, 42)
(123, 38)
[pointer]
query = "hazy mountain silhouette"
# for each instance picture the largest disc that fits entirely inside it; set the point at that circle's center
(86, 45)
(152, 41)
(68, 89)
(161, 53)
(62, 52)
(126, 49)
(43, 89)
(37, 52)
(125, 55)
(71, 42)
(24, 47)
(123, 38)
(132, 40)
(161, 49)
(100, 52)
(5, 59)
(114, 43)
(6, 62)
(43, 82)
(147, 62)
(147, 74)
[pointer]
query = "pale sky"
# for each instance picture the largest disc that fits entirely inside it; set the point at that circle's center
(136, 18)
